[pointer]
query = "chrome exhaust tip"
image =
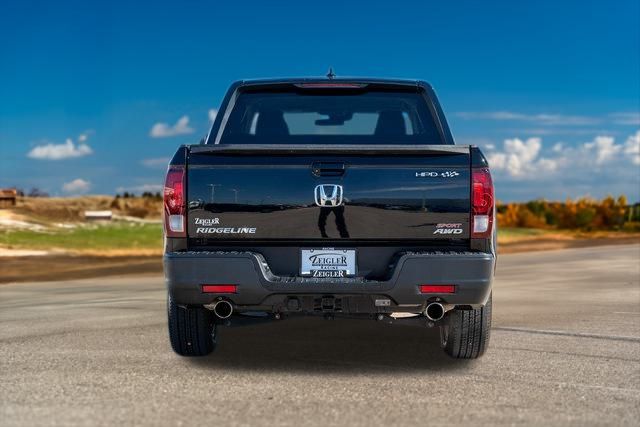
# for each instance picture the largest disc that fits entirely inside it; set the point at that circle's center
(223, 309)
(434, 311)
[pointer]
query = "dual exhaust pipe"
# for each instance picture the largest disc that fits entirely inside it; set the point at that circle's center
(434, 311)
(223, 309)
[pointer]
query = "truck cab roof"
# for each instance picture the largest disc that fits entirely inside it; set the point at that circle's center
(336, 80)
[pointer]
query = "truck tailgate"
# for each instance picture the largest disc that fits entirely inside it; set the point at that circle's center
(328, 193)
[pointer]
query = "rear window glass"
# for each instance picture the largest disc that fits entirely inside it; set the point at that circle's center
(335, 117)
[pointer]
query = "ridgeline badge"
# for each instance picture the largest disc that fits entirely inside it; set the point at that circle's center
(207, 228)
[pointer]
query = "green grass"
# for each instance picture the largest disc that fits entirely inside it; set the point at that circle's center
(89, 237)
(127, 236)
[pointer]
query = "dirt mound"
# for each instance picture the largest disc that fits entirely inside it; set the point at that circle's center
(71, 209)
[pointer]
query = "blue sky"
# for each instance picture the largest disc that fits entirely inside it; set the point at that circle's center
(95, 97)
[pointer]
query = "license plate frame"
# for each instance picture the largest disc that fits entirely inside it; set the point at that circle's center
(333, 263)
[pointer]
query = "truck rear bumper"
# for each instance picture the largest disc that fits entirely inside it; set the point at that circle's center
(258, 288)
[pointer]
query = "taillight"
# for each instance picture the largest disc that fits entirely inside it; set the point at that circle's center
(482, 203)
(174, 206)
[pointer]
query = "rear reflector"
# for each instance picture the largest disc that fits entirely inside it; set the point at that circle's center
(219, 289)
(437, 289)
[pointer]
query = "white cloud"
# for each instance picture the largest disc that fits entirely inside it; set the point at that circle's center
(77, 186)
(163, 130)
(67, 150)
(547, 165)
(153, 188)
(156, 162)
(632, 148)
(629, 118)
(212, 114)
(523, 160)
(84, 136)
(520, 158)
(603, 147)
(541, 119)
(555, 130)
(546, 119)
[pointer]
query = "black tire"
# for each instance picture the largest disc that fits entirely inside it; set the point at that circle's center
(191, 329)
(466, 333)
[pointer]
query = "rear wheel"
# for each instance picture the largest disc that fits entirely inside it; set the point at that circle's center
(191, 329)
(466, 332)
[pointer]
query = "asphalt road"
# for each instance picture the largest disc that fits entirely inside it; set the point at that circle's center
(565, 350)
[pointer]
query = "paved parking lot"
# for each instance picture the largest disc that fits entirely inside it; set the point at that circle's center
(565, 350)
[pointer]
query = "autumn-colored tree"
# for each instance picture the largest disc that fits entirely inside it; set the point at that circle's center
(584, 213)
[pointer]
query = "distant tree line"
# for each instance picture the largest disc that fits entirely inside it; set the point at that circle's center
(144, 195)
(34, 192)
(584, 213)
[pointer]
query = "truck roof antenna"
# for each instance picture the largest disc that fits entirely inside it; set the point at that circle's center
(331, 74)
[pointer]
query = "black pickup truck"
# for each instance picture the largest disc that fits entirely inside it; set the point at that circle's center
(332, 197)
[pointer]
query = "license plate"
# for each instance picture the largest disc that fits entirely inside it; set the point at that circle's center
(328, 262)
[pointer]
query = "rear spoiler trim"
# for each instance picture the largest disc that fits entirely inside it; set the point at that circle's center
(249, 149)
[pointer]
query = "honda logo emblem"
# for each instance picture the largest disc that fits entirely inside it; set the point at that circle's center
(328, 195)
